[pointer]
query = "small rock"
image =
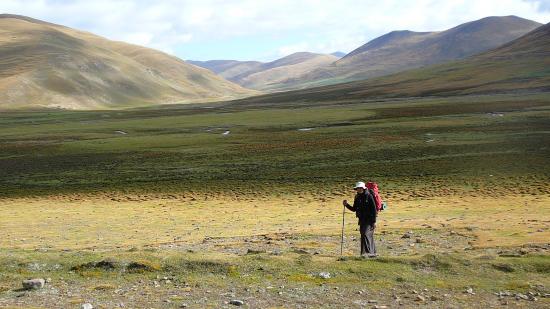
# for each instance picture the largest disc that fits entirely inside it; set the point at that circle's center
(434, 298)
(372, 301)
(522, 296)
(33, 284)
(86, 306)
(324, 275)
(236, 302)
(469, 291)
(420, 298)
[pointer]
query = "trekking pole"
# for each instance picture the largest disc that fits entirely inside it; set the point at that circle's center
(342, 241)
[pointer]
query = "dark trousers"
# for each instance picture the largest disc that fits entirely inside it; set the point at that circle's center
(367, 239)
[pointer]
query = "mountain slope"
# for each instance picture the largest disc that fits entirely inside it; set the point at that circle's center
(48, 65)
(228, 69)
(520, 65)
(402, 50)
(272, 76)
(275, 75)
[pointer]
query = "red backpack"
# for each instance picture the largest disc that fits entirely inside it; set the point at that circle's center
(373, 189)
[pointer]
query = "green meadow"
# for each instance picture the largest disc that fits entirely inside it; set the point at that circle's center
(197, 205)
(461, 142)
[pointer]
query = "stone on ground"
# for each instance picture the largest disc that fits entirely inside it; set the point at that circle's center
(33, 284)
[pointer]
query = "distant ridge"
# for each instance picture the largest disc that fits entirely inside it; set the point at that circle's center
(520, 65)
(268, 76)
(403, 50)
(338, 54)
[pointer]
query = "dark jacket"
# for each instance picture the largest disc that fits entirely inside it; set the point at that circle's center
(364, 208)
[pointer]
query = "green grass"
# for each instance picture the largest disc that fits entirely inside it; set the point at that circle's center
(177, 179)
(432, 271)
(182, 148)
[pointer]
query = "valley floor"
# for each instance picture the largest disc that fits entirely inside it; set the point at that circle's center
(187, 206)
(176, 251)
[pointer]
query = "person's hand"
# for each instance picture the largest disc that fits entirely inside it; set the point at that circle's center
(345, 202)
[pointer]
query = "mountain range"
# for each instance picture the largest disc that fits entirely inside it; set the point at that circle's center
(398, 51)
(520, 65)
(52, 66)
(268, 76)
(48, 65)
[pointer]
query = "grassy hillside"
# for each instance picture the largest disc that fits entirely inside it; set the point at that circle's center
(46, 65)
(521, 65)
(403, 50)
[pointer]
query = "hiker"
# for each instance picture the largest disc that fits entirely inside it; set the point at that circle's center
(365, 210)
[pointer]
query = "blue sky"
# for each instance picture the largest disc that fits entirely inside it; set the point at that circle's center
(262, 29)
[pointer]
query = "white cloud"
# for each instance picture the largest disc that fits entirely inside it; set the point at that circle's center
(316, 25)
(542, 5)
(139, 38)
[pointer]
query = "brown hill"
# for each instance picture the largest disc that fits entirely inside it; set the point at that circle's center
(48, 65)
(270, 76)
(403, 50)
(275, 75)
(229, 69)
(520, 65)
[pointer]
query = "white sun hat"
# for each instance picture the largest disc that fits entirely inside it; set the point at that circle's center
(360, 184)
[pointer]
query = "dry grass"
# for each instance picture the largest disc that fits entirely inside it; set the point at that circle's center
(74, 223)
